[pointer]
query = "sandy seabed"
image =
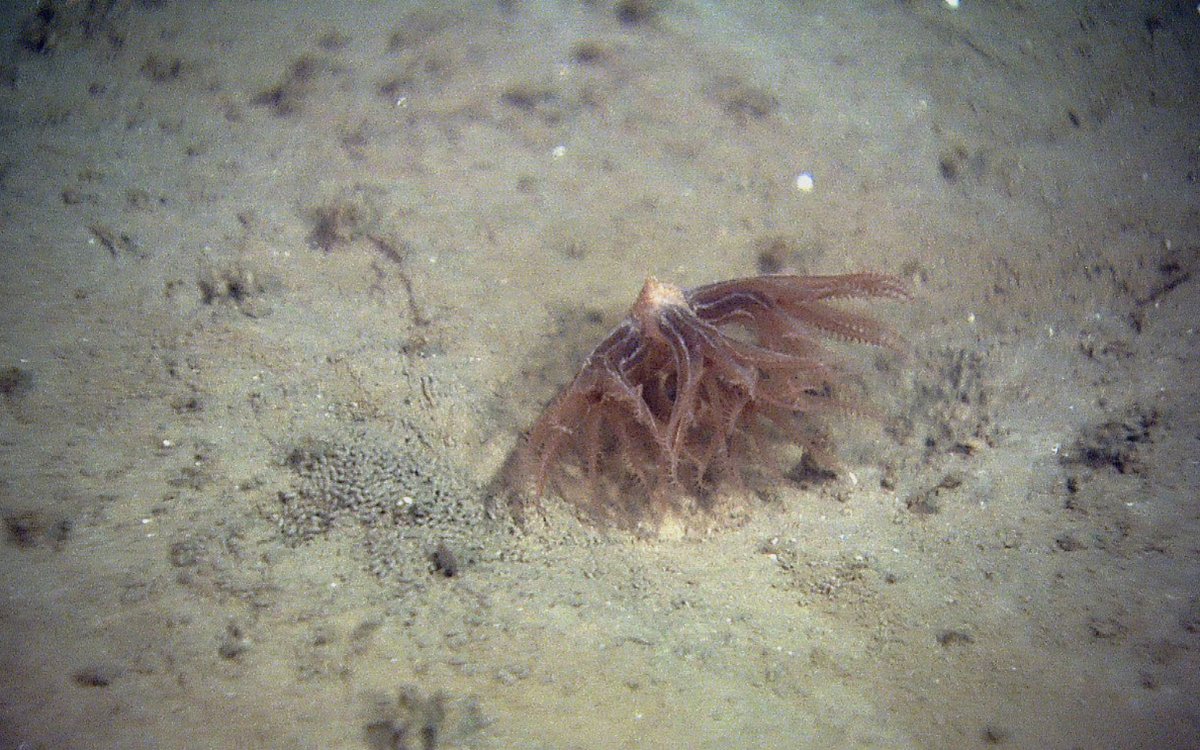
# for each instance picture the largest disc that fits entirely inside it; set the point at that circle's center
(283, 284)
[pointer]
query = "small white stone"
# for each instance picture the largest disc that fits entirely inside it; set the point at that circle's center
(804, 182)
(952, 3)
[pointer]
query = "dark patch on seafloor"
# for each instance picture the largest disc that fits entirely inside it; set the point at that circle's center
(418, 514)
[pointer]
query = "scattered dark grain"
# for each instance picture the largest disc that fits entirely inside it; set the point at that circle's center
(186, 553)
(994, 735)
(23, 529)
(333, 41)
(445, 561)
(923, 504)
(591, 52)
(529, 96)
(234, 283)
(162, 69)
(234, 643)
(1115, 443)
(343, 220)
(1104, 628)
(413, 722)
(743, 100)
(15, 381)
(637, 12)
(286, 97)
(35, 529)
(1190, 619)
(97, 675)
(948, 638)
(116, 242)
(1067, 542)
(951, 163)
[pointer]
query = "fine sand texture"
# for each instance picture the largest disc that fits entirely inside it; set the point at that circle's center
(284, 286)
